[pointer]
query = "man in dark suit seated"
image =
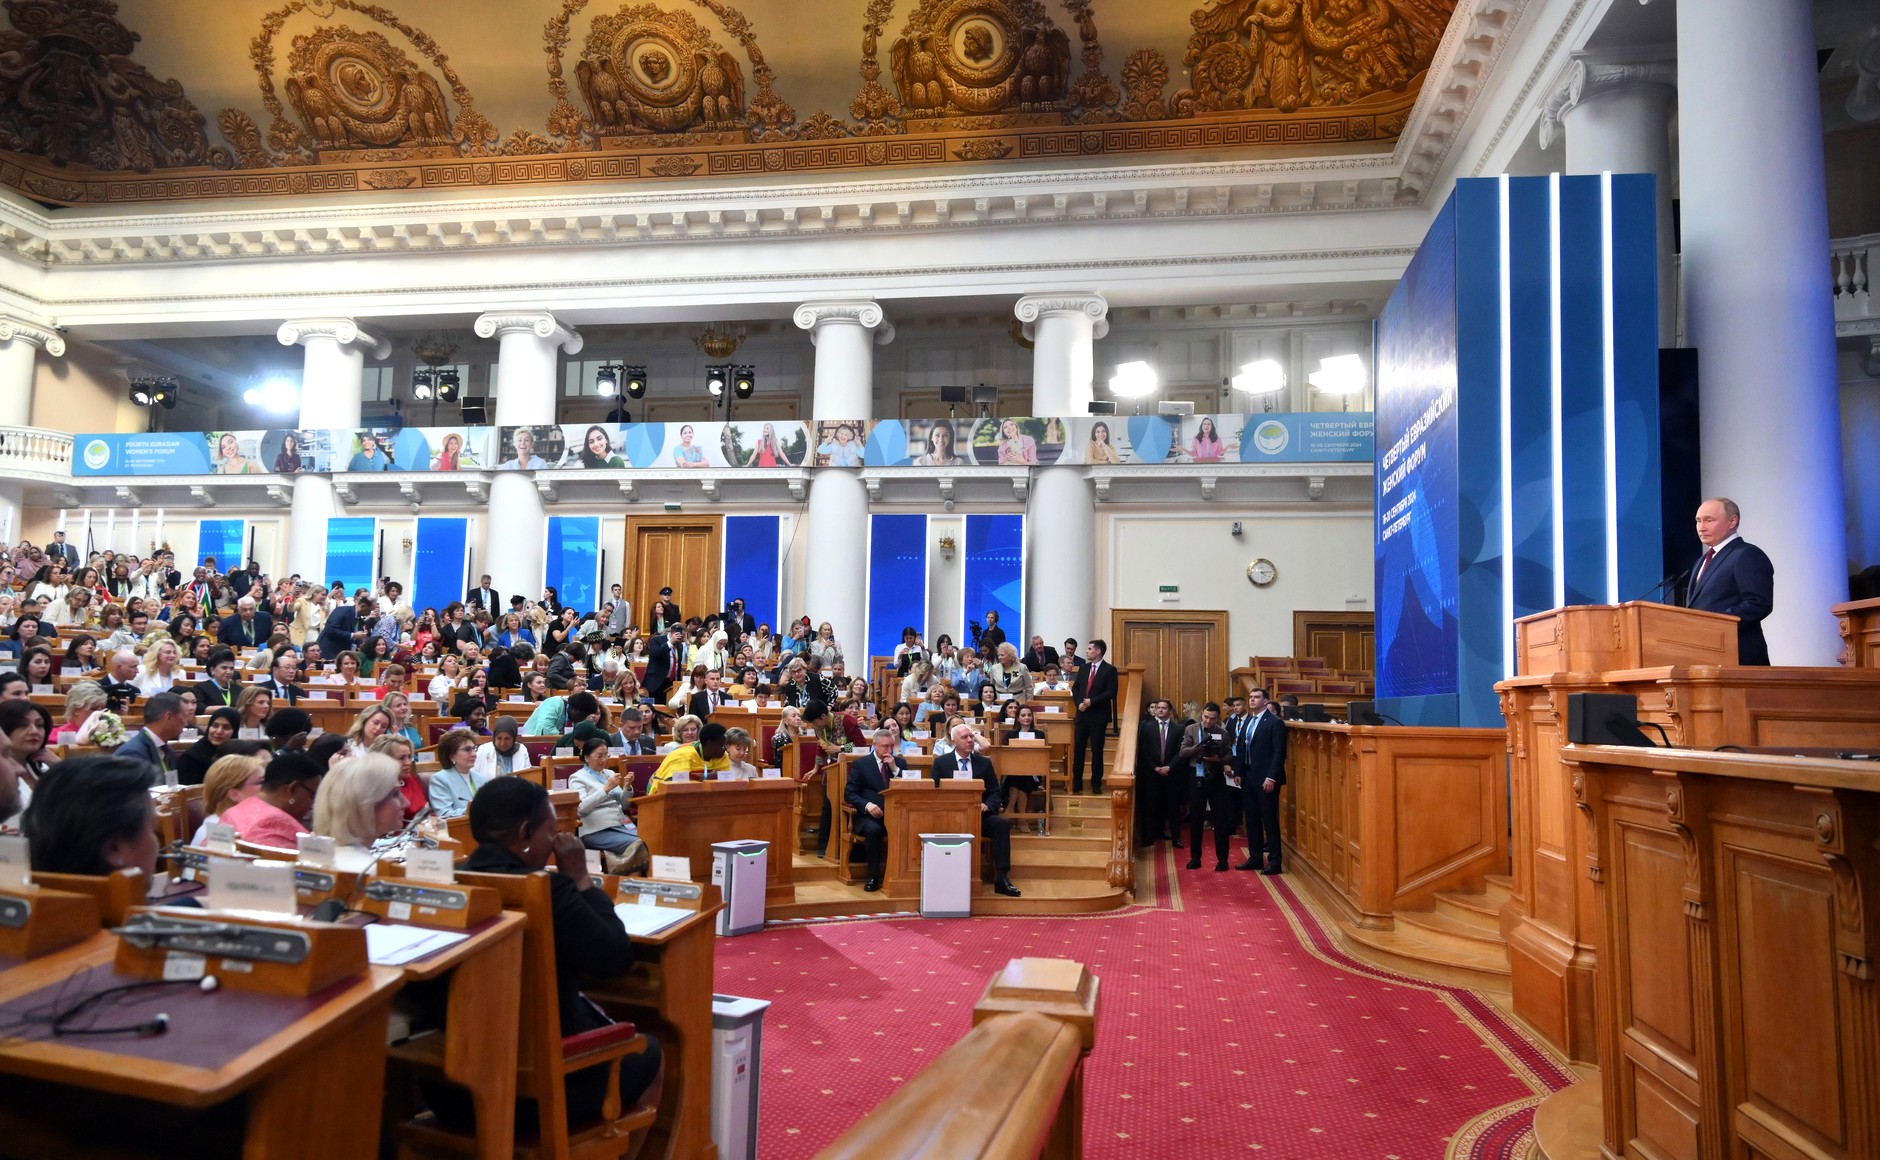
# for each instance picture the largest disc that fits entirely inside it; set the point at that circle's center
(163, 723)
(868, 780)
(281, 676)
(1260, 763)
(219, 689)
(1158, 808)
(1039, 654)
(707, 699)
(1093, 691)
(1734, 577)
(248, 628)
(993, 825)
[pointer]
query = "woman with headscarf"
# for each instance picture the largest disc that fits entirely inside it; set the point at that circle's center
(193, 765)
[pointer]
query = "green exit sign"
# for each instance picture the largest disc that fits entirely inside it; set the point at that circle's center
(1169, 589)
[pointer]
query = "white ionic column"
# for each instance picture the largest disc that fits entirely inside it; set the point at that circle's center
(1060, 520)
(516, 539)
(845, 335)
(330, 392)
(526, 367)
(1062, 328)
(21, 341)
(1615, 112)
(1758, 300)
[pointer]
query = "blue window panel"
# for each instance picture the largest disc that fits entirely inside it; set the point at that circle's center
(995, 573)
(897, 581)
(574, 560)
(753, 563)
(438, 561)
(225, 540)
(351, 548)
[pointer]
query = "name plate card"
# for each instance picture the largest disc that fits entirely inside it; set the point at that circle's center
(15, 863)
(673, 868)
(221, 840)
(316, 851)
(260, 885)
(422, 865)
(909, 775)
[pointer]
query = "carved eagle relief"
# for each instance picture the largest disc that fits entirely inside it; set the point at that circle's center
(978, 57)
(356, 90)
(645, 70)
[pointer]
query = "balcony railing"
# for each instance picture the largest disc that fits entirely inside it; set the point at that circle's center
(1853, 263)
(33, 449)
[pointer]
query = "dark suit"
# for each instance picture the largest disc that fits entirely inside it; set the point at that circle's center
(66, 552)
(699, 704)
(493, 604)
(1207, 789)
(1741, 582)
(1158, 796)
(867, 782)
(232, 634)
(290, 694)
(993, 825)
(1036, 660)
(336, 637)
(210, 697)
(735, 624)
(659, 675)
(1260, 753)
(505, 671)
(1096, 684)
(143, 746)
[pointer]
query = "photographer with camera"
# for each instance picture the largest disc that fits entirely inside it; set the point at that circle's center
(1205, 750)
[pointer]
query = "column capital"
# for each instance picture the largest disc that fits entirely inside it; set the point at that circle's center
(344, 331)
(1590, 75)
(1090, 304)
(16, 329)
(537, 322)
(812, 316)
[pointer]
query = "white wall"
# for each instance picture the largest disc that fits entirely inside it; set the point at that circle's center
(1324, 560)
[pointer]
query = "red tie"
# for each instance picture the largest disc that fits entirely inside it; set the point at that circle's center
(1703, 569)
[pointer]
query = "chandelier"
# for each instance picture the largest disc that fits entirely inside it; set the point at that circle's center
(719, 343)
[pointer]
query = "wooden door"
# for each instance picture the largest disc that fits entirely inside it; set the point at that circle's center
(1184, 653)
(678, 552)
(1346, 640)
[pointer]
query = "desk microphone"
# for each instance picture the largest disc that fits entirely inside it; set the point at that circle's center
(1663, 584)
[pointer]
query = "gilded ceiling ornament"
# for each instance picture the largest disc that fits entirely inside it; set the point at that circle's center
(874, 106)
(347, 100)
(69, 92)
(1145, 74)
(978, 58)
(1288, 55)
(644, 70)
(1093, 97)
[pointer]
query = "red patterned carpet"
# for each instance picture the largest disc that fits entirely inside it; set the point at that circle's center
(1227, 1023)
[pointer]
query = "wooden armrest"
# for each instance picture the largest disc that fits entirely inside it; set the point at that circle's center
(601, 1045)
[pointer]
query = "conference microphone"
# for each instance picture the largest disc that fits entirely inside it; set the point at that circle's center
(1663, 584)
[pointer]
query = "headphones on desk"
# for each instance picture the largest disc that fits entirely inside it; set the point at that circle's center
(155, 1025)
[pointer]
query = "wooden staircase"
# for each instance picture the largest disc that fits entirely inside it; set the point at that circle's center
(1457, 941)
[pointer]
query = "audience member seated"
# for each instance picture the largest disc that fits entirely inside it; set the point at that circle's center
(370, 725)
(288, 729)
(602, 809)
(503, 754)
(219, 687)
(192, 765)
(452, 787)
(684, 732)
(411, 786)
(234, 778)
(253, 704)
(869, 778)
(359, 802)
(277, 814)
(449, 679)
(399, 706)
(738, 765)
(696, 759)
(92, 815)
(514, 827)
(993, 825)
(164, 721)
(81, 701)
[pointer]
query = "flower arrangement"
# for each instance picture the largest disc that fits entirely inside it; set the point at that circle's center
(103, 728)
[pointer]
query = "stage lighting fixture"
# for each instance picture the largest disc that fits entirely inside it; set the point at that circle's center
(715, 380)
(449, 388)
(421, 385)
(1102, 406)
(1133, 380)
(744, 381)
(155, 391)
(1341, 374)
(636, 382)
(607, 380)
(1260, 378)
(278, 396)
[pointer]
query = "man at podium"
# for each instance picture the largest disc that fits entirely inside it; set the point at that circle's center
(1733, 577)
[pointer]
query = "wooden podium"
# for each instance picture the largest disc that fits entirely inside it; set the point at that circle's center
(1860, 628)
(1681, 664)
(915, 807)
(685, 818)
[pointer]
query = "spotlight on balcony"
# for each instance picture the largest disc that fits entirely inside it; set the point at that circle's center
(716, 379)
(607, 380)
(744, 381)
(635, 382)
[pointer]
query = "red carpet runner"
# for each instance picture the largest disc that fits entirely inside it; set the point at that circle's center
(1227, 1023)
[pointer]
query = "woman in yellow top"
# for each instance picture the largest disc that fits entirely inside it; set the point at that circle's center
(702, 757)
(1098, 448)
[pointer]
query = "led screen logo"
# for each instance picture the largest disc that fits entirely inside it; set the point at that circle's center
(97, 454)
(1271, 437)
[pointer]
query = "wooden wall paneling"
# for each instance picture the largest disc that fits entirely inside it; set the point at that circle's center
(1183, 653)
(683, 552)
(1348, 640)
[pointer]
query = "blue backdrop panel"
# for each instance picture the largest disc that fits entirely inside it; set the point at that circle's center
(753, 559)
(1638, 497)
(351, 547)
(437, 563)
(573, 559)
(224, 540)
(897, 581)
(995, 573)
